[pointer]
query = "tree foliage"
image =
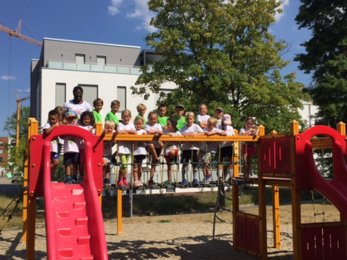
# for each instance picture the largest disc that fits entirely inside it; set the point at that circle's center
(221, 53)
(326, 55)
(16, 156)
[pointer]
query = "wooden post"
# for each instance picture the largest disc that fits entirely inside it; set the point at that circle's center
(119, 212)
(262, 204)
(29, 204)
(262, 215)
(276, 216)
(294, 127)
(98, 132)
(236, 159)
(341, 128)
(261, 131)
(295, 194)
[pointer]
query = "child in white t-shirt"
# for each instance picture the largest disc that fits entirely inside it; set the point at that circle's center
(124, 148)
(171, 149)
(71, 150)
(202, 117)
(248, 150)
(87, 121)
(154, 128)
(140, 153)
(190, 149)
(211, 148)
(108, 158)
(52, 122)
(226, 151)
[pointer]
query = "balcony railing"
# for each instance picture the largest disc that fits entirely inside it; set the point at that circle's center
(116, 69)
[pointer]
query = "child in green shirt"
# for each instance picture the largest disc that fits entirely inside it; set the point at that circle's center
(111, 116)
(162, 118)
(98, 103)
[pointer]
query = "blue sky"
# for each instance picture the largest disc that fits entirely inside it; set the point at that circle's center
(109, 21)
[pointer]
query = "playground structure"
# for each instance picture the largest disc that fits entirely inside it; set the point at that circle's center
(283, 161)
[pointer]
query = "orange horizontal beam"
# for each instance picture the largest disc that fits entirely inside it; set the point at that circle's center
(168, 138)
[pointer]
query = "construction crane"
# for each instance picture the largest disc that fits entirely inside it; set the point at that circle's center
(17, 33)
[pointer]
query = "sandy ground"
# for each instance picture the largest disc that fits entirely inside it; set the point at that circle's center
(186, 236)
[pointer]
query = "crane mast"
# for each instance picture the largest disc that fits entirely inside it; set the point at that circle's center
(18, 34)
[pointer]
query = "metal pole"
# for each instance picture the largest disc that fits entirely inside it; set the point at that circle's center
(17, 123)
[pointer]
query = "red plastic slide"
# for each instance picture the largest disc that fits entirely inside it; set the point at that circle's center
(335, 190)
(74, 222)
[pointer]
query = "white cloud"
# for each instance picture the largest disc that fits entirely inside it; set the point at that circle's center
(114, 7)
(8, 77)
(282, 6)
(141, 11)
(27, 90)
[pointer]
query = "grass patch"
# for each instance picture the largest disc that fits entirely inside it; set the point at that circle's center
(11, 216)
(155, 205)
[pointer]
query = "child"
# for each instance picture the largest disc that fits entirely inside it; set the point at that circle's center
(162, 118)
(52, 122)
(190, 150)
(98, 104)
(171, 149)
(124, 148)
(61, 112)
(219, 112)
(211, 148)
(179, 116)
(140, 153)
(87, 121)
(109, 128)
(203, 116)
(71, 150)
(226, 151)
(248, 149)
(154, 128)
(112, 115)
(141, 110)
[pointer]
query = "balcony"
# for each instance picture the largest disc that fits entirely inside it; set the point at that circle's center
(116, 69)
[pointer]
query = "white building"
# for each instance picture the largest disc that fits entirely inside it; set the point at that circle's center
(107, 71)
(103, 70)
(309, 113)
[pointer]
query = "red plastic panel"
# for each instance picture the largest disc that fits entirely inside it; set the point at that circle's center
(266, 155)
(275, 156)
(36, 161)
(247, 229)
(304, 158)
(323, 242)
(283, 151)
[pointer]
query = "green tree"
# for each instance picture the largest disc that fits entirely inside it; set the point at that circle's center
(221, 53)
(326, 56)
(16, 156)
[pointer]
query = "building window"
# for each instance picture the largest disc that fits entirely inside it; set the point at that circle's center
(122, 97)
(90, 92)
(60, 94)
(1, 151)
(101, 60)
(80, 58)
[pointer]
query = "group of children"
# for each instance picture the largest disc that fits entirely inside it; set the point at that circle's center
(156, 124)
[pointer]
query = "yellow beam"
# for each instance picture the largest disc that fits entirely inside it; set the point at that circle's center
(276, 216)
(119, 212)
